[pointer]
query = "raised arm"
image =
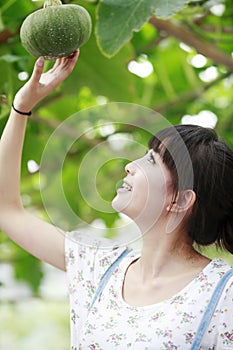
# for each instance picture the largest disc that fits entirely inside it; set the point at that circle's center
(39, 238)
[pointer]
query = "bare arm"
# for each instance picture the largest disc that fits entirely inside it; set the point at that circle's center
(39, 238)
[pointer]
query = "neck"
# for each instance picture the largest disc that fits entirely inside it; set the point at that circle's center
(167, 254)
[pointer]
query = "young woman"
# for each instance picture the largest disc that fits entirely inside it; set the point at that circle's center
(179, 193)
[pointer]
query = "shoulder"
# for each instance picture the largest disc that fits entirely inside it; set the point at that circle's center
(207, 280)
(222, 268)
(84, 250)
(223, 315)
(217, 268)
(224, 273)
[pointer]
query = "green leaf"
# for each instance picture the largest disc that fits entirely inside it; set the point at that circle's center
(166, 9)
(116, 21)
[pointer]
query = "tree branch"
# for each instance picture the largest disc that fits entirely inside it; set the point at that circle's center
(6, 34)
(213, 29)
(186, 36)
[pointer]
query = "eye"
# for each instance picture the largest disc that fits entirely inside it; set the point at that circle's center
(151, 158)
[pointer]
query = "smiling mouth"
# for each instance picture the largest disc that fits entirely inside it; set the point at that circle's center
(126, 187)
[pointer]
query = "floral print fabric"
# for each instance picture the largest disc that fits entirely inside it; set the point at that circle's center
(113, 324)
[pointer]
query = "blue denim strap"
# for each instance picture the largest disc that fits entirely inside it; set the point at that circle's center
(210, 309)
(107, 275)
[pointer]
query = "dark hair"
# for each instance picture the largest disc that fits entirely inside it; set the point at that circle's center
(198, 160)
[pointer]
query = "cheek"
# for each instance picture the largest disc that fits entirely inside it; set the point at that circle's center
(156, 198)
(149, 198)
(157, 194)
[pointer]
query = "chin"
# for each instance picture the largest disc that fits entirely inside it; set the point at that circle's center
(119, 205)
(122, 207)
(116, 204)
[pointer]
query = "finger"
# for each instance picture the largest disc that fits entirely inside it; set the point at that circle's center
(38, 69)
(70, 61)
(57, 64)
(63, 62)
(75, 54)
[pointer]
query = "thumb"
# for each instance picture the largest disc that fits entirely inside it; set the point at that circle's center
(38, 69)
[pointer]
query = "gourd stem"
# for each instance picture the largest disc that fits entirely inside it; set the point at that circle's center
(52, 3)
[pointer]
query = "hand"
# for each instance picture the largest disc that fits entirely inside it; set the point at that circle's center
(42, 84)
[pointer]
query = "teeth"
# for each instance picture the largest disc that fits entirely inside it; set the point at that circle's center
(127, 187)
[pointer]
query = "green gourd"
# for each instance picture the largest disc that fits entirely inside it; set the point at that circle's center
(56, 30)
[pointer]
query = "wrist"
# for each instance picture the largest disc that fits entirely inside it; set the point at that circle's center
(22, 102)
(22, 106)
(21, 112)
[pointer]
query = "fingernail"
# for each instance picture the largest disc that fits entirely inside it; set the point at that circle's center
(40, 62)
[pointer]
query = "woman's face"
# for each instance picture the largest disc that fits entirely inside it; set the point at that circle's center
(146, 190)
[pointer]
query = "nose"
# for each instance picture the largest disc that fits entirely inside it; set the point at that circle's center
(130, 168)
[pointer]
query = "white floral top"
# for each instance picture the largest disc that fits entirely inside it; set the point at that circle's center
(113, 324)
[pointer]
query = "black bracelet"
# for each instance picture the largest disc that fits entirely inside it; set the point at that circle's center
(22, 113)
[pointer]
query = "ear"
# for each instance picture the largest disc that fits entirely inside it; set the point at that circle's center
(184, 201)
